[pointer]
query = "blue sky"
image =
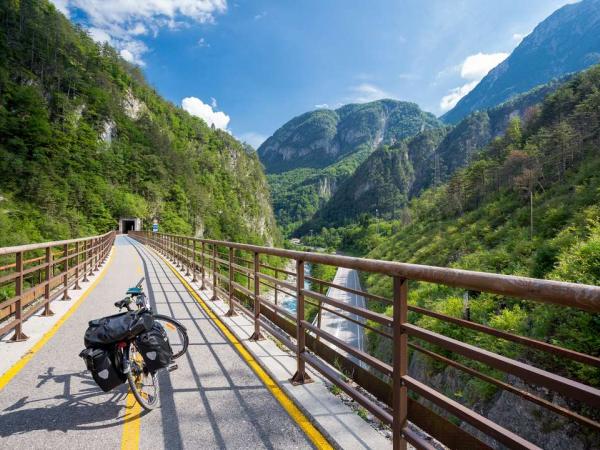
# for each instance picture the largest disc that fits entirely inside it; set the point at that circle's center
(250, 66)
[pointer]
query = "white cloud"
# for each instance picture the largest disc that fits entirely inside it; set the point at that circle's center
(125, 21)
(367, 92)
(252, 138)
(449, 101)
(322, 106)
(132, 51)
(99, 35)
(61, 5)
(213, 102)
(260, 15)
(477, 66)
(202, 43)
(472, 70)
(198, 108)
(518, 37)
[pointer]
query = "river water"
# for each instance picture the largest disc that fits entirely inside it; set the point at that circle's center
(288, 302)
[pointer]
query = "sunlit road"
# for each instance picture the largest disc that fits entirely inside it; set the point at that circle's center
(344, 329)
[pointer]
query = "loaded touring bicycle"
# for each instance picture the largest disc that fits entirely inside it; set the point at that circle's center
(133, 346)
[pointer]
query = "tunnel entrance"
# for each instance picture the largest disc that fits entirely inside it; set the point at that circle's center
(127, 224)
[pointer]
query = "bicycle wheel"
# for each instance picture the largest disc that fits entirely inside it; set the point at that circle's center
(177, 334)
(143, 384)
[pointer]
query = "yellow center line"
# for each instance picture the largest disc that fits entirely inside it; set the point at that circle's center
(306, 425)
(130, 439)
(21, 363)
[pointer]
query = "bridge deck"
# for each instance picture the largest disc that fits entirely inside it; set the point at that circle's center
(214, 399)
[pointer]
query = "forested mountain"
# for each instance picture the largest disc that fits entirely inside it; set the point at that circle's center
(382, 185)
(566, 42)
(310, 156)
(320, 138)
(85, 140)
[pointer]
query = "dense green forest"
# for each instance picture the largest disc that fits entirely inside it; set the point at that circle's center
(85, 140)
(482, 219)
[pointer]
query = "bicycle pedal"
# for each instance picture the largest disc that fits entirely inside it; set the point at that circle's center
(172, 367)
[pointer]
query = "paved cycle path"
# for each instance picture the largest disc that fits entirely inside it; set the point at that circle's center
(214, 399)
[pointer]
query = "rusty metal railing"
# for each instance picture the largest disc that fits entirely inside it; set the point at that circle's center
(238, 272)
(33, 276)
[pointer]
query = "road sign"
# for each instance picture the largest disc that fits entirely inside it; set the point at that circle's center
(155, 228)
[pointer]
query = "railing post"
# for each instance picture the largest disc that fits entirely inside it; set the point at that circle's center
(202, 267)
(77, 271)
(97, 254)
(256, 336)
(320, 311)
(85, 260)
(187, 256)
(300, 377)
(49, 274)
(91, 257)
(275, 287)
(66, 275)
(400, 362)
(180, 253)
(214, 268)
(194, 279)
(231, 311)
(19, 335)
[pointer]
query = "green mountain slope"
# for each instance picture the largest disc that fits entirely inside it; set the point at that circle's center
(84, 140)
(384, 182)
(309, 157)
(568, 41)
(320, 138)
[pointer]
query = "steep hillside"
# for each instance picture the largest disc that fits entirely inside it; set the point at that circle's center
(566, 42)
(298, 194)
(312, 155)
(381, 185)
(320, 138)
(384, 182)
(84, 140)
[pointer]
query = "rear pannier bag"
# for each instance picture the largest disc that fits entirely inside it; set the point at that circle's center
(120, 327)
(101, 363)
(155, 348)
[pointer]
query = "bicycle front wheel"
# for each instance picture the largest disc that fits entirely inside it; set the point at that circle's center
(176, 333)
(143, 384)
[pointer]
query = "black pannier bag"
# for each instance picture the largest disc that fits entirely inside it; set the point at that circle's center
(155, 348)
(102, 364)
(120, 327)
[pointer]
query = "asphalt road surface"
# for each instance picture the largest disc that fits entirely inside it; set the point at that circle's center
(214, 399)
(344, 329)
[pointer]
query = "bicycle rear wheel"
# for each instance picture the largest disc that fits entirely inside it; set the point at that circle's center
(176, 332)
(143, 384)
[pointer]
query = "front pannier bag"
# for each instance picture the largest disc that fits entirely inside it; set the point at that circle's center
(155, 348)
(101, 363)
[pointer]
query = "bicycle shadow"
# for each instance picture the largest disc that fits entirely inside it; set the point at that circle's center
(88, 409)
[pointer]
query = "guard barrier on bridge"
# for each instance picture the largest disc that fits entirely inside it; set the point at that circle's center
(32, 276)
(237, 272)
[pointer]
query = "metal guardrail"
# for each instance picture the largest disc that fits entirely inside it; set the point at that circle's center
(34, 275)
(387, 383)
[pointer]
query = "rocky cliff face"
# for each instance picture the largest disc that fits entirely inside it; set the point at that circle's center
(319, 138)
(566, 42)
(540, 426)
